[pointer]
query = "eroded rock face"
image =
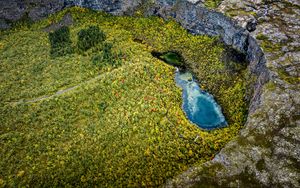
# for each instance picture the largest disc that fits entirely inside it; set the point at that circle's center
(267, 151)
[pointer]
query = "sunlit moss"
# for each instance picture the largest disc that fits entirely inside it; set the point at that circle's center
(267, 45)
(239, 12)
(271, 86)
(212, 3)
(284, 75)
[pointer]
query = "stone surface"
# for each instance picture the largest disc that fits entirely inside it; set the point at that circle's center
(266, 153)
(116, 7)
(14, 10)
(4, 24)
(39, 9)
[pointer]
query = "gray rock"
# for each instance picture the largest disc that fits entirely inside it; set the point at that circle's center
(14, 10)
(116, 7)
(4, 24)
(44, 8)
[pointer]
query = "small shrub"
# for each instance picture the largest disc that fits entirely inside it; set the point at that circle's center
(60, 41)
(102, 106)
(97, 60)
(90, 37)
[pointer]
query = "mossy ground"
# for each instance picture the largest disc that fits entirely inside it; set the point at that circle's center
(122, 126)
(212, 3)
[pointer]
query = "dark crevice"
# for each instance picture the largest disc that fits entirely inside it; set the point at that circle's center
(232, 55)
(173, 58)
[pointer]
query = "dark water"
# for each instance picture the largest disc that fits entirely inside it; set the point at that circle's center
(171, 58)
(199, 106)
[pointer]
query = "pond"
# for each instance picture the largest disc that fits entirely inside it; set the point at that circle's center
(198, 105)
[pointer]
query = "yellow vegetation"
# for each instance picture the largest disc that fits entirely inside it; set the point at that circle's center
(120, 126)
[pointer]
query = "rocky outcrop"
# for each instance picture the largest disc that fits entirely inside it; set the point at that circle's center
(267, 151)
(15, 10)
(115, 7)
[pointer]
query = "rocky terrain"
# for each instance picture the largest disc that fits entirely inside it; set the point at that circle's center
(266, 154)
(267, 151)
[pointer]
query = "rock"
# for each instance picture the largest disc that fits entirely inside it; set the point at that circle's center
(44, 8)
(194, 1)
(115, 7)
(4, 24)
(14, 10)
(251, 25)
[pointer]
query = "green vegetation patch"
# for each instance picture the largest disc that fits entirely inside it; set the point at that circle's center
(60, 41)
(69, 121)
(237, 12)
(284, 75)
(90, 37)
(267, 45)
(212, 3)
(107, 57)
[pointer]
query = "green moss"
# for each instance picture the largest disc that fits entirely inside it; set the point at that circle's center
(269, 46)
(212, 3)
(24, 21)
(271, 86)
(286, 77)
(236, 12)
(108, 126)
(262, 37)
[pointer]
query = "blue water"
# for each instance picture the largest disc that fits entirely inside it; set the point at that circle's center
(199, 106)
